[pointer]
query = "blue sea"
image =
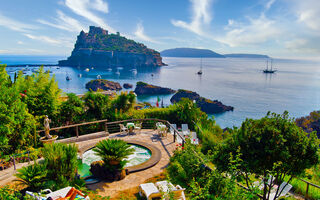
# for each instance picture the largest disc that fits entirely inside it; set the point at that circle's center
(238, 82)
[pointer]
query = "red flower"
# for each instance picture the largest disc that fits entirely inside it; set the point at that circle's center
(22, 95)
(194, 140)
(182, 147)
(25, 91)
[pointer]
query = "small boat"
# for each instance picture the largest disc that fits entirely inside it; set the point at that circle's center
(117, 72)
(87, 70)
(269, 71)
(99, 77)
(92, 67)
(58, 68)
(200, 71)
(152, 75)
(79, 75)
(68, 78)
(109, 69)
(134, 71)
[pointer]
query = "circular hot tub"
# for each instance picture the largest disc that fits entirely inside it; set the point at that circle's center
(144, 157)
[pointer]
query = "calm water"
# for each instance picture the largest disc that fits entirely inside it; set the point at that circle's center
(236, 82)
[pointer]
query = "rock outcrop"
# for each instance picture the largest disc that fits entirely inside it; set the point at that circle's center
(206, 105)
(103, 84)
(147, 89)
(127, 85)
(100, 49)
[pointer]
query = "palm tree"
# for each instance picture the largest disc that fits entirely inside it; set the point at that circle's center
(113, 152)
(32, 176)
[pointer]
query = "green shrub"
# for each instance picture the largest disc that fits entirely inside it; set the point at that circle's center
(32, 176)
(61, 162)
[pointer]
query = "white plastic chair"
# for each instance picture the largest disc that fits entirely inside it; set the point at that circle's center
(138, 126)
(123, 129)
(185, 129)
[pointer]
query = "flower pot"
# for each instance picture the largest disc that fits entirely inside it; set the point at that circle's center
(114, 162)
(44, 140)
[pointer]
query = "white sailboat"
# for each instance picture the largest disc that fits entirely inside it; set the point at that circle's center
(200, 71)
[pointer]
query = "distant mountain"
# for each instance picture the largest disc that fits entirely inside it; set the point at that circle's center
(100, 49)
(190, 52)
(244, 55)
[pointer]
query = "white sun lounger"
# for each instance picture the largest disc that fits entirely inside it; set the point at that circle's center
(171, 128)
(61, 193)
(286, 188)
(149, 190)
(194, 138)
(166, 187)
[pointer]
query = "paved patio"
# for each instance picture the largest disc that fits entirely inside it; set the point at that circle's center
(165, 145)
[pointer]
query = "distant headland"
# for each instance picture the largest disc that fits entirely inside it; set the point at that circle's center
(100, 49)
(205, 53)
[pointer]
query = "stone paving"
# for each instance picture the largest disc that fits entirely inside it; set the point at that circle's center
(165, 145)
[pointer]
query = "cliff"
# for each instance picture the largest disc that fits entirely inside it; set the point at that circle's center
(103, 84)
(100, 49)
(206, 105)
(147, 89)
(191, 52)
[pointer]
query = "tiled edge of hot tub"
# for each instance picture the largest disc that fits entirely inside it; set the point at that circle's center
(155, 155)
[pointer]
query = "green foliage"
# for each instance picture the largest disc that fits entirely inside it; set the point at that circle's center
(97, 105)
(187, 169)
(61, 162)
(124, 101)
(270, 145)
(32, 176)
(310, 123)
(72, 110)
(41, 93)
(113, 150)
(17, 127)
(9, 194)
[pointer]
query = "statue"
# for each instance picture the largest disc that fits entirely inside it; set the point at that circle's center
(47, 127)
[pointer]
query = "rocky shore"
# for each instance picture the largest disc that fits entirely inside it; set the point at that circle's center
(147, 89)
(206, 105)
(103, 84)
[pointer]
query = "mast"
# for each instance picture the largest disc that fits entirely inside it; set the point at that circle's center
(271, 64)
(267, 64)
(201, 64)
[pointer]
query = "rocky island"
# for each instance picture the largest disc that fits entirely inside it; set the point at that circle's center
(147, 89)
(98, 48)
(103, 84)
(206, 105)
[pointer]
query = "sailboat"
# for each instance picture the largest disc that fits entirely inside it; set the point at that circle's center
(200, 71)
(269, 71)
(68, 78)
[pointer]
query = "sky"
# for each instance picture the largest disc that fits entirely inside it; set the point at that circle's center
(279, 28)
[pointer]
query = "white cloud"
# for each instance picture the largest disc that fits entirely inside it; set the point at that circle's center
(64, 22)
(255, 32)
(20, 42)
(201, 15)
(84, 8)
(308, 13)
(139, 34)
(15, 25)
(296, 43)
(269, 4)
(42, 38)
